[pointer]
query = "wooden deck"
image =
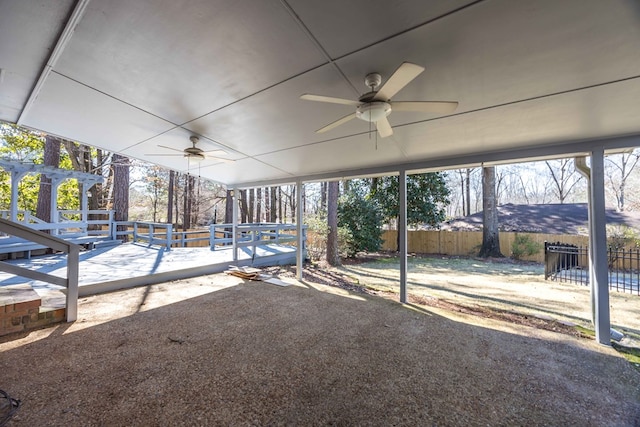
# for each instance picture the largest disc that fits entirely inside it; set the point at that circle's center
(128, 265)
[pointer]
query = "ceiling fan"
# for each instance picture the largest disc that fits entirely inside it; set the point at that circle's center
(194, 153)
(375, 105)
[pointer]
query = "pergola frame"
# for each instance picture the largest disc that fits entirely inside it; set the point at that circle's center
(19, 169)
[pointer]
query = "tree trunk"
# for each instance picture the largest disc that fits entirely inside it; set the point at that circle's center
(258, 204)
(120, 165)
(172, 177)
(280, 205)
(194, 201)
(333, 257)
(186, 211)
(51, 158)
(252, 202)
(243, 206)
(490, 232)
(323, 196)
(292, 204)
(274, 206)
(468, 190)
(176, 197)
(228, 209)
(267, 205)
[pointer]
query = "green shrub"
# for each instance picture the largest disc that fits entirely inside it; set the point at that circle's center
(524, 246)
(362, 218)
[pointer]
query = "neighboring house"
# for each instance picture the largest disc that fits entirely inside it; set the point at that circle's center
(567, 218)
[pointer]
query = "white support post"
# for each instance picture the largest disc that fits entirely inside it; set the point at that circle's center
(598, 255)
(299, 234)
(84, 204)
(582, 168)
(73, 258)
(55, 215)
(16, 176)
(402, 233)
(234, 222)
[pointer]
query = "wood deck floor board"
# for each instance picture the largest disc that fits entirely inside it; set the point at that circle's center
(128, 265)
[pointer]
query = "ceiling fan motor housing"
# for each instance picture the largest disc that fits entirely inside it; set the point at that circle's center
(373, 111)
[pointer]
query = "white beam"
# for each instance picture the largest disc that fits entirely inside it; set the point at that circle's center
(598, 244)
(299, 224)
(402, 233)
(234, 222)
(61, 44)
(521, 154)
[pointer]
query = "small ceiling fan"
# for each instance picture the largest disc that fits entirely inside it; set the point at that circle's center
(194, 153)
(376, 105)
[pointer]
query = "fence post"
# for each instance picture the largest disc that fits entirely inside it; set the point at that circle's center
(169, 236)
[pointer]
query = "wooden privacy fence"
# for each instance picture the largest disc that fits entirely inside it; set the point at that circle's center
(467, 243)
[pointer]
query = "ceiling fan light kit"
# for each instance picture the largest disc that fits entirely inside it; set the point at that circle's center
(376, 105)
(373, 111)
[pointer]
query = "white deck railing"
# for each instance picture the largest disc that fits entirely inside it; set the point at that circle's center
(39, 238)
(252, 235)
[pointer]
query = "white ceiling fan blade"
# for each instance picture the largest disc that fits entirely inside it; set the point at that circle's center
(441, 107)
(170, 148)
(337, 123)
(384, 127)
(329, 99)
(399, 79)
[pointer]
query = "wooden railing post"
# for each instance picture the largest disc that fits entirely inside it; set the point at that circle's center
(169, 236)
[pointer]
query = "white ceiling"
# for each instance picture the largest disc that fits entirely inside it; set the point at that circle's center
(128, 76)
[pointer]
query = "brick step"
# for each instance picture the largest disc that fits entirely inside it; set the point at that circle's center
(21, 309)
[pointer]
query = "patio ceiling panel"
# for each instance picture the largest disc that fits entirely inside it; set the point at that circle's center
(151, 150)
(501, 52)
(366, 21)
(337, 155)
(74, 111)
(243, 170)
(26, 48)
(136, 75)
(182, 59)
(277, 118)
(587, 114)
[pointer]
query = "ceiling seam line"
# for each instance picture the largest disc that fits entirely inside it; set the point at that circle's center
(520, 101)
(174, 125)
(535, 98)
(430, 21)
(115, 98)
(61, 44)
(317, 43)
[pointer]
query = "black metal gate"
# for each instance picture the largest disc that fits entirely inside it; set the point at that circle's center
(570, 263)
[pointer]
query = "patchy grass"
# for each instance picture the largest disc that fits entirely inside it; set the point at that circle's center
(505, 289)
(632, 354)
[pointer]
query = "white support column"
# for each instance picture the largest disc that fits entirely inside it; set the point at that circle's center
(16, 176)
(402, 233)
(582, 168)
(55, 215)
(84, 203)
(73, 259)
(234, 222)
(598, 244)
(299, 224)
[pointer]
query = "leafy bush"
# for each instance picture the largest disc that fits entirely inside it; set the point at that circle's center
(523, 246)
(620, 236)
(317, 231)
(362, 219)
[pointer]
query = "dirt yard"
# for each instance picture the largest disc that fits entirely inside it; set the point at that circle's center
(220, 351)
